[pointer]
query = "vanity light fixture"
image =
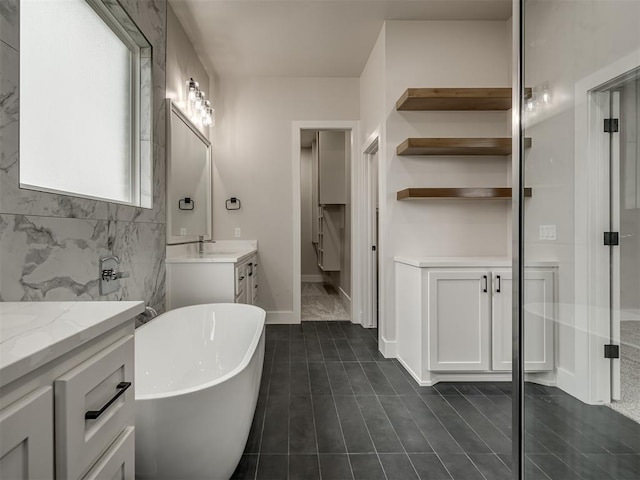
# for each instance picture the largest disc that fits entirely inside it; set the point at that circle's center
(200, 109)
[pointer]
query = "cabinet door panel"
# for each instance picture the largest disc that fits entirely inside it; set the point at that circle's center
(538, 329)
(26, 437)
(458, 323)
(118, 462)
(332, 167)
(91, 386)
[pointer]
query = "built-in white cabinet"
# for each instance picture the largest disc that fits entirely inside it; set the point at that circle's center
(454, 318)
(329, 196)
(538, 329)
(26, 437)
(332, 167)
(67, 407)
(194, 283)
(330, 227)
(458, 320)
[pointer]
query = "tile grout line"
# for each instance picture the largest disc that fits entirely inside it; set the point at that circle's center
(264, 419)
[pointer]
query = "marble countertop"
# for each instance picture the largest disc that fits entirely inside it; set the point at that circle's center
(35, 333)
(466, 262)
(220, 251)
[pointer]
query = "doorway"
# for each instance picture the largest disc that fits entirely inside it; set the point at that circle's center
(325, 219)
(624, 209)
(372, 233)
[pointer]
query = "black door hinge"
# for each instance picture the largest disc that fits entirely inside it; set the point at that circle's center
(373, 248)
(610, 125)
(611, 238)
(611, 351)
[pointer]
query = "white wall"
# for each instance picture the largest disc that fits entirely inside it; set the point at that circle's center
(253, 161)
(566, 42)
(308, 255)
(436, 54)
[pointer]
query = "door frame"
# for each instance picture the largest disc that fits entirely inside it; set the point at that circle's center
(367, 206)
(296, 127)
(591, 380)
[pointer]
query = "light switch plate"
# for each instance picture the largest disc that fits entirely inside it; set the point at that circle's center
(547, 232)
(238, 232)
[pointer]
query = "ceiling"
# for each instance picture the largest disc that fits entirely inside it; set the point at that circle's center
(307, 38)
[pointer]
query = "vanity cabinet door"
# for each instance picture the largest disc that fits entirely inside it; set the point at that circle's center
(118, 463)
(97, 385)
(538, 326)
(26, 437)
(459, 320)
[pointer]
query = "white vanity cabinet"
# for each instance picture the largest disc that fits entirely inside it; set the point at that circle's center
(26, 437)
(538, 329)
(458, 320)
(225, 279)
(454, 318)
(67, 390)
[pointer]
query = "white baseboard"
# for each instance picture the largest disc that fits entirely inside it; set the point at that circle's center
(388, 349)
(415, 376)
(466, 377)
(312, 278)
(346, 298)
(285, 317)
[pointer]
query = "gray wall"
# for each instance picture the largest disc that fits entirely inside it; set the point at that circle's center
(50, 244)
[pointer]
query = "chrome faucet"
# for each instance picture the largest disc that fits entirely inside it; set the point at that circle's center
(200, 244)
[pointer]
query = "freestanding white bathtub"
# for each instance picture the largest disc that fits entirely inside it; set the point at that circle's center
(198, 373)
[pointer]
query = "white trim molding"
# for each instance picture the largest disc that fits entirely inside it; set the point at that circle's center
(591, 380)
(282, 318)
(352, 126)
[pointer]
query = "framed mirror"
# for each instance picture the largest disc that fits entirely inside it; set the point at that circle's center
(188, 179)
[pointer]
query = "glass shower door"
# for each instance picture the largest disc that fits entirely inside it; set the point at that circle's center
(579, 419)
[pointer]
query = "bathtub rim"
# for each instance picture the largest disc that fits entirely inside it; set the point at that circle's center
(251, 350)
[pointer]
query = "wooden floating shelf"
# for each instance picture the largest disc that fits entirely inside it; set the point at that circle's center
(426, 99)
(469, 192)
(457, 146)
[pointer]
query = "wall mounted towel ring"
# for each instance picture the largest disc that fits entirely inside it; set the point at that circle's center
(186, 203)
(232, 203)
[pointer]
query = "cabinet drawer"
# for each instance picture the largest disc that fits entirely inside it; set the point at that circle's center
(241, 271)
(96, 386)
(118, 462)
(26, 437)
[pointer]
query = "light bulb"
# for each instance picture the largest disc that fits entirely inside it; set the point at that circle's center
(192, 87)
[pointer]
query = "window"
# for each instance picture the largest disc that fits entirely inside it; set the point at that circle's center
(85, 73)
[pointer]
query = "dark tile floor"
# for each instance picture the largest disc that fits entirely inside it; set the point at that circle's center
(331, 407)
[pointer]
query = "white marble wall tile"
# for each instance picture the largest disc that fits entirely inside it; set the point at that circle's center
(9, 21)
(48, 258)
(50, 244)
(159, 108)
(140, 247)
(146, 100)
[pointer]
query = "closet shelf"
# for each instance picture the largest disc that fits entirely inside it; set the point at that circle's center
(467, 192)
(426, 99)
(457, 146)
